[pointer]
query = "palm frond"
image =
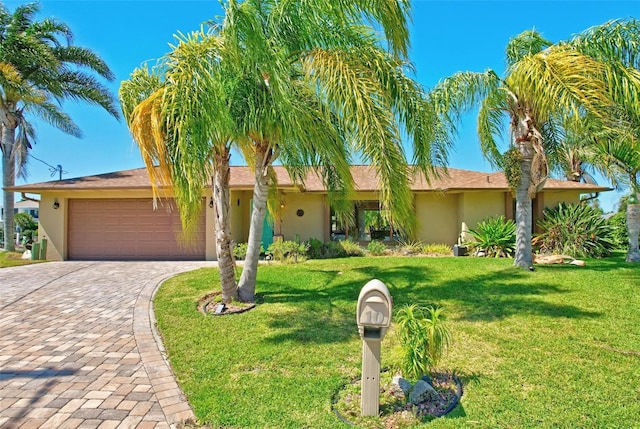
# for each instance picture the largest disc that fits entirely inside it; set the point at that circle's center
(529, 42)
(560, 80)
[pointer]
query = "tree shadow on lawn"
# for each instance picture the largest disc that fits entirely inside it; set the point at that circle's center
(328, 315)
(500, 294)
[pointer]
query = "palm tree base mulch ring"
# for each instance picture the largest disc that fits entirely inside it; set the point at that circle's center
(393, 410)
(209, 305)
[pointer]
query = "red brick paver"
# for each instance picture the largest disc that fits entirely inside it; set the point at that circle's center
(77, 347)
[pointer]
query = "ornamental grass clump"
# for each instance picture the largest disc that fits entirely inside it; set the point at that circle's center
(423, 338)
(576, 230)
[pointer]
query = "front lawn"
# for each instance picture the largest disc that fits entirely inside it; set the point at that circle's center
(558, 347)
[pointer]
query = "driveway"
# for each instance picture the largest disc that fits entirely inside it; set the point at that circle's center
(77, 348)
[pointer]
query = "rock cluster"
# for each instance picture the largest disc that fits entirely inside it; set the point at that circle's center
(416, 393)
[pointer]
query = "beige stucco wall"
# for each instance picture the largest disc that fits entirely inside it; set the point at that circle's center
(437, 215)
(553, 198)
(476, 206)
(51, 226)
(311, 225)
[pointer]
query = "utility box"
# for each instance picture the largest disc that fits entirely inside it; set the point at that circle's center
(459, 250)
(373, 316)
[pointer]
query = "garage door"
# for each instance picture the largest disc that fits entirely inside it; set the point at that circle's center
(129, 229)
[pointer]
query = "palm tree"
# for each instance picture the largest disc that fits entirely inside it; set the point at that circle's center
(617, 138)
(179, 114)
(544, 85)
(39, 68)
(320, 89)
(299, 82)
(618, 149)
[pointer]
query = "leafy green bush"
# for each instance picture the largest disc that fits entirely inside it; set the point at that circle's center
(437, 249)
(315, 249)
(620, 233)
(288, 251)
(576, 230)
(376, 248)
(423, 338)
(495, 236)
(240, 250)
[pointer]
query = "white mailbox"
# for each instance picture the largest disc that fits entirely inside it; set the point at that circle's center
(373, 314)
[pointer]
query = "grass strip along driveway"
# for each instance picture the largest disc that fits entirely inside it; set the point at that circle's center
(558, 347)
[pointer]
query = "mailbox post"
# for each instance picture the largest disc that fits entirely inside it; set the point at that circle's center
(373, 316)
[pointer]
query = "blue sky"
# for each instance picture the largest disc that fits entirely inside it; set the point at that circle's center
(446, 37)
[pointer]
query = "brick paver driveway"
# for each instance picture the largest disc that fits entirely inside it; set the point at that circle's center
(77, 347)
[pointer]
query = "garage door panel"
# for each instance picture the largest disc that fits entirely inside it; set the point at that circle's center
(124, 229)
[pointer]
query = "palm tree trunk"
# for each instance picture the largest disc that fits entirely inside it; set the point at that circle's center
(224, 250)
(247, 283)
(8, 179)
(523, 251)
(633, 228)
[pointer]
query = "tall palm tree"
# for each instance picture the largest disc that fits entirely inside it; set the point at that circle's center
(39, 68)
(544, 85)
(321, 91)
(617, 148)
(179, 114)
(617, 140)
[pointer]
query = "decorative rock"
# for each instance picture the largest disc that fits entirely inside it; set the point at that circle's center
(399, 387)
(401, 384)
(422, 392)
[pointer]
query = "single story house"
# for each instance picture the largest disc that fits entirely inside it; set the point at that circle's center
(112, 216)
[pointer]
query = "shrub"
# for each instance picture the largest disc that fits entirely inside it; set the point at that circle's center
(351, 248)
(240, 250)
(495, 236)
(620, 233)
(576, 230)
(288, 251)
(315, 249)
(423, 338)
(437, 249)
(376, 248)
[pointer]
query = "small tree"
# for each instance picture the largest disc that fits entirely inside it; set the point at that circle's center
(25, 222)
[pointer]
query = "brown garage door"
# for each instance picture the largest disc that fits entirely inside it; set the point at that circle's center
(126, 229)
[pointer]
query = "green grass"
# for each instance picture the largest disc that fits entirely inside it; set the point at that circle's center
(554, 348)
(13, 259)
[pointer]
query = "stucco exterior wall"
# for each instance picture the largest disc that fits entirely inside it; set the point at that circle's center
(437, 215)
(553, 198)
(52, 225)
(240, 203)
(477, 206)
(311, 224)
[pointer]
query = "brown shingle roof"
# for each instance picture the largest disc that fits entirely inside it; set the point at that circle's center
(364, 176)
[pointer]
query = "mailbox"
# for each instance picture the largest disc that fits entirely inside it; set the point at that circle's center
(373, 317)
(374, 310)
